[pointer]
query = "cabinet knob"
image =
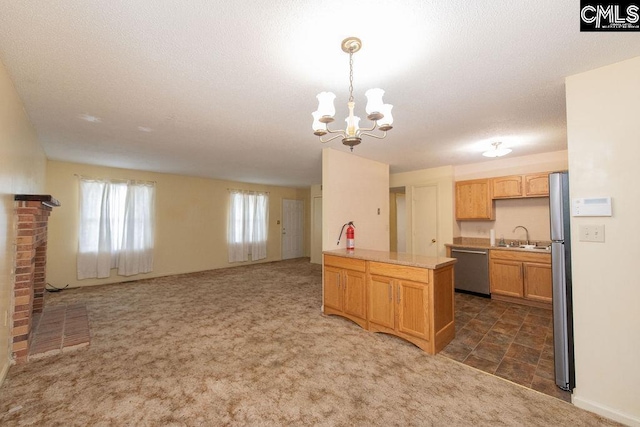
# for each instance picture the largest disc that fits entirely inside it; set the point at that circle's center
(433, 240)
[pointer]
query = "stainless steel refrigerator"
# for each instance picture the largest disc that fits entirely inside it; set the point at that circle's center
(559, 209)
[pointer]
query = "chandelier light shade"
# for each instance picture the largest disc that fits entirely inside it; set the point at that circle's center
(496, 151)
(377, 111)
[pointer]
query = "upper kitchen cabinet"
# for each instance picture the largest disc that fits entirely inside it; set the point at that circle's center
(536, 185)
(474, 200)
(517, 186)
(507, 187)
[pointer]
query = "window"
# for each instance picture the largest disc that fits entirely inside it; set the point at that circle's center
(116, 228)
(248, 225)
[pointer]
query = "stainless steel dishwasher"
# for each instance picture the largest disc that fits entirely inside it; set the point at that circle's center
(472, 270)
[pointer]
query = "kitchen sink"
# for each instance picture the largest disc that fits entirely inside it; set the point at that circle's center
(536, 247)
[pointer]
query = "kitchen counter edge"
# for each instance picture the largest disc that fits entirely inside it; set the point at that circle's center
(398, 258)
(497, 248)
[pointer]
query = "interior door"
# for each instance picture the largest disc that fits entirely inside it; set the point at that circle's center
(292, 228)
(316, 231)
(425, 220)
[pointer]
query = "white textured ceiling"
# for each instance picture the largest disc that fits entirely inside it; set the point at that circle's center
(225, 89)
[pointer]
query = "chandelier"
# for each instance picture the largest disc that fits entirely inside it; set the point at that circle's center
(377, 111)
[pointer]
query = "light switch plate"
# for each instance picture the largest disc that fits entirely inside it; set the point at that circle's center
(592, 233)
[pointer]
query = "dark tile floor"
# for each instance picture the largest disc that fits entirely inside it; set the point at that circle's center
(511, 341)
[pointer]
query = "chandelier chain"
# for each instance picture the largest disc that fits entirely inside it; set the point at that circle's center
(351, 76)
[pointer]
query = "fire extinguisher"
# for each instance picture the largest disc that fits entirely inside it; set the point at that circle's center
(351, 235)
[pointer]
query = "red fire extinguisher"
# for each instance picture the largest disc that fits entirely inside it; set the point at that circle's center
(351, 235)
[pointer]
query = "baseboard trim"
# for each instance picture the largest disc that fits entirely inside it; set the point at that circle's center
(605, 411)
(4, 371)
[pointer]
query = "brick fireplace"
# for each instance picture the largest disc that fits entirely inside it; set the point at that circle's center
(32, 214)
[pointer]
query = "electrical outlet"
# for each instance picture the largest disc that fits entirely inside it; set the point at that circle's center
(592, 233)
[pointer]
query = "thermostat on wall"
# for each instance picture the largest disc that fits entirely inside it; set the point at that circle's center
(594, 206)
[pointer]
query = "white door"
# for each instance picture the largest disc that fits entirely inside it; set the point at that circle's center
(424, 220)
(316, 231)
(292, 228)
(401, 222)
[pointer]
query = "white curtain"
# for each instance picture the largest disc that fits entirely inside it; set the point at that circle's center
(116, 228)
(248, 225)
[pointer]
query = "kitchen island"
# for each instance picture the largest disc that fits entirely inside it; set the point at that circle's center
(410, 296)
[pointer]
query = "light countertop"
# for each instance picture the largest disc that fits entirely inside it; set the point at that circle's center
(400, 258)
(502, 248)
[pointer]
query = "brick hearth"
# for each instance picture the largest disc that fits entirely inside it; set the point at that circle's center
(32, 212)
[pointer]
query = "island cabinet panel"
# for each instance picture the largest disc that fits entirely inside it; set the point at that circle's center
(355, 290)
(443, 304)
(413, 309)
(345, 291)
(333, 295)
(401, 271)
(414, 303)
(381, 301)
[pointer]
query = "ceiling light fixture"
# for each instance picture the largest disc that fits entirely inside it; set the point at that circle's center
(378, 112)
(497, 151)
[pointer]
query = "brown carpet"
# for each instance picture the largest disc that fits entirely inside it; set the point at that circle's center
(249, 346)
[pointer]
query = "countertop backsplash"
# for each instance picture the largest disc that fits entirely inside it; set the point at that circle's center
(531, 213)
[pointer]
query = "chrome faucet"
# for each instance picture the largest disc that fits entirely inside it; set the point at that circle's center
(525, 229)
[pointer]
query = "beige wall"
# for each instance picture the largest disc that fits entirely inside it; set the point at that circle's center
(604, 150)
(22, 171)
(530, 213)
(356, 200)
(509, 165)
(191, 222)
(441, 177)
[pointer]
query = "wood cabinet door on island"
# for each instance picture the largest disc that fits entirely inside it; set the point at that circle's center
(333, 294)
(413, 303)
(400, 305)
(381, 301)
(345, 291)
(355, 294)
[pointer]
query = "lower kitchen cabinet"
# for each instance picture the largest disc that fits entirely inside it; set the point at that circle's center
(525, 276)
(399, 306)
(537, 281)
(506, 278)
(345, 289)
